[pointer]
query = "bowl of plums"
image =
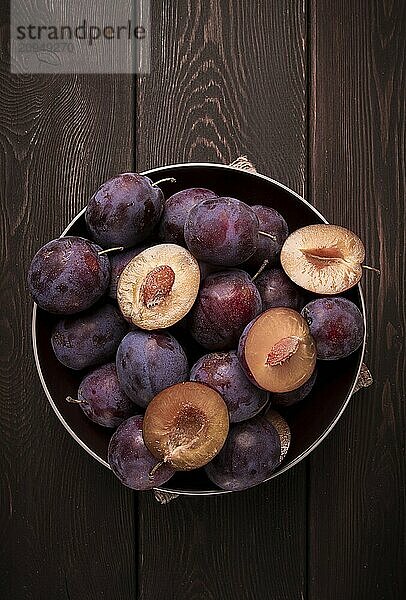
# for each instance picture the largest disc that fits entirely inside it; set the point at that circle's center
(198, 329)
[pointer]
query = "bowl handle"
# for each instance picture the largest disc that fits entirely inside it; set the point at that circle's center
(364, 380)
(164, 497)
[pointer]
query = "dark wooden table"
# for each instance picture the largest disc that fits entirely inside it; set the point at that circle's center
(313, 93)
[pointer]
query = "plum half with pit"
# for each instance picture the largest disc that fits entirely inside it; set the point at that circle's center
(276, 350)
(159, 286)
(176, 210)
(276, 290)
(101, 398)
(269, 246)
(68, 275)
(336, 325)
(222, 231)
(148, 362)
(227, 301)
(132, 462)
(324, 259)
(88, 339)
(250, 455)
(222, 372)
(186, 425)
(124, 211)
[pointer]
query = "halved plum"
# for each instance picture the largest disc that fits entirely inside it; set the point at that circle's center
(186, 425)
(324, 259)
(159, 286)
(277, 351)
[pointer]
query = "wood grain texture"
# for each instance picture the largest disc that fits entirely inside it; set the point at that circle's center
(357, 179)
(220, 87)
(67, 525)
(248, 545)
(228, 79)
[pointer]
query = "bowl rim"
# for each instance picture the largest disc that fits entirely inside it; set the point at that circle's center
(301, 456)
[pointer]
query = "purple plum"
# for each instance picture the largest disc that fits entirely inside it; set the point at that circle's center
(132, 462)
(148, 362)
(68, 275)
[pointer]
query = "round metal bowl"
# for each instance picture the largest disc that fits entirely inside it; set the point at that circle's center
(310, 421)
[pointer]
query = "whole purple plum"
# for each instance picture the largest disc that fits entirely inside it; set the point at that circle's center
(101, 398)
(124, 211)
(149, 362)
(118, 262)
(271, 222)
(131, 461)
(222, 372)
(227, 301)
(88, 339)
(68, 275)
(276, 289)
(176, 210)
(336, 325)
(222, 231)
(249, 456)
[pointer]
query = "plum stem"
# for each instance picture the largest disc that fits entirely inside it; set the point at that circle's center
(371, 269)
(269, 235)
(171, 179)
(73, 400)
(118, 249)
(261, 268)
(155, 469)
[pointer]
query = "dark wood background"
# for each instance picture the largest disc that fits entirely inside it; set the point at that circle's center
(312, 92)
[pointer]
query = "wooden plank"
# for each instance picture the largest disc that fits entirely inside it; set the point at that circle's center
(67, 525)
(357, 179)
(228, 78)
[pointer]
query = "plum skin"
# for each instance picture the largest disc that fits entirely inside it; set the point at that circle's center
(176, 210)
(227, 301)
(67, 275)
(249, 456)
(90, 338)
(271, 222)
(102, 399)
(131, 461)
(336, 325)
(222, 372)
(222, 231)
(124, 211)
(276, 289)
(148, 362)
